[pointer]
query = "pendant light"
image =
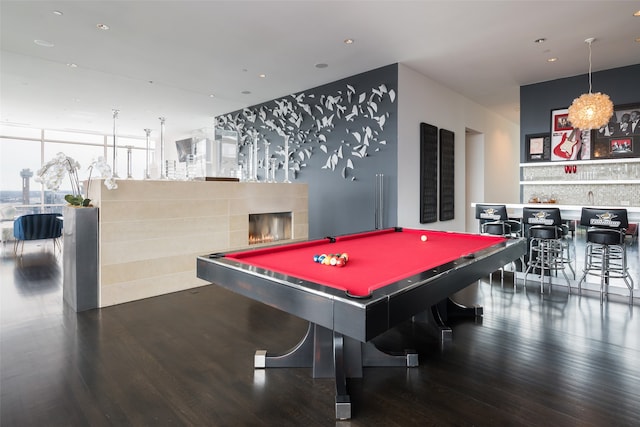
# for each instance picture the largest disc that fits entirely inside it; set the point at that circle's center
(590, 110)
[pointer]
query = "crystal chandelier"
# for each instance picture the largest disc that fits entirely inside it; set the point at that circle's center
(590, 110)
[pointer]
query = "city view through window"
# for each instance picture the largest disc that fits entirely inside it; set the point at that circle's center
(24, 150)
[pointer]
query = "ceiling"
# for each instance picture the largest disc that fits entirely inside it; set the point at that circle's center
(189, 61)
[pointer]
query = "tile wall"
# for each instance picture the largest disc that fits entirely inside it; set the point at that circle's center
(597, 184)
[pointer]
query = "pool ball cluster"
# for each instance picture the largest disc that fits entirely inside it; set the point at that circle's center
(336, 260)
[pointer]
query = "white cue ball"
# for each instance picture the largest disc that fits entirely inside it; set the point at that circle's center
(423, 238)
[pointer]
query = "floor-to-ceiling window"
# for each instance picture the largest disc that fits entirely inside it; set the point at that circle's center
(24, 150)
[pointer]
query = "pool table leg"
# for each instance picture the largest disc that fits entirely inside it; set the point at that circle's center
(329, 354)
(372, 356)
(452, 309)
(437, 317)
(332, 355)
(343, 401)
(300, 356)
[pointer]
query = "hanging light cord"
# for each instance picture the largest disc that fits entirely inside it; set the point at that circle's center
(590, 67)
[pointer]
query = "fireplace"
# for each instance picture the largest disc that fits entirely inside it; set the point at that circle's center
(269, 227)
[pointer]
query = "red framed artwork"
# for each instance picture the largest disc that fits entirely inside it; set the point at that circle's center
(567, 142)
(621, 146)
(561, 121)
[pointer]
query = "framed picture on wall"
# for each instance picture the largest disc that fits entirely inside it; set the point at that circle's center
(538, 147)
(621, 146)
(621, 136)
(561, 121)
(567, 142)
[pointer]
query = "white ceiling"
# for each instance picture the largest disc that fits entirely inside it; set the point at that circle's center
(165, 58)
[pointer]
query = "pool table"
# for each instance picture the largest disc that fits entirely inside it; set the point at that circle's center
(392, 276)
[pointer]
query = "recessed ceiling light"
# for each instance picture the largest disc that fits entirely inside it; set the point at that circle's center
(552, 59)
(638, 39)
(72, 65)
(348, 41)
(102, 27)
(211, 95)
(57, 12)
(636, 13)
(43, 43)
(262, 76)
(540, 40)
(246, 92)
(321, 65)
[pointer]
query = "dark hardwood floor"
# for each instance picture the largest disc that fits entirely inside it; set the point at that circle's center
(186, 359)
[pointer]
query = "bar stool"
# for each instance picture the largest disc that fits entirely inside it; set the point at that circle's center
(566, 257)
(565, 228)
(496, 228)
(486, 213)
(546, 246)
(605, 251)
(501, 228)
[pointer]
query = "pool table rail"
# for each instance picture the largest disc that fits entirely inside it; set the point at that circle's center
(360, 318)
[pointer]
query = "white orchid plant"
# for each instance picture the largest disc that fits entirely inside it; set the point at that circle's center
(52, 173)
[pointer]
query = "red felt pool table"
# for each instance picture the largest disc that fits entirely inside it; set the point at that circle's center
(391, 276)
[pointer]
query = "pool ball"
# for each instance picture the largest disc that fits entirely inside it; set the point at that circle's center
(423, 238)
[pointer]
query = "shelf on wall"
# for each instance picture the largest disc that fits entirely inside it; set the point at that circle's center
(581, 162)
(582, 182)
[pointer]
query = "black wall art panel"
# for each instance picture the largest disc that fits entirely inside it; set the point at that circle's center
(447, 175)
(428, 173)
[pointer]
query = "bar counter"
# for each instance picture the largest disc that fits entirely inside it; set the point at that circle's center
(577, 243)
(568, 212)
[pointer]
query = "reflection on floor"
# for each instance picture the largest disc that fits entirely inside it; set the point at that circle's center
(186, 359)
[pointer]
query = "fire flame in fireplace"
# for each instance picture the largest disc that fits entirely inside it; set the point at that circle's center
(269, 227)
(254, 240)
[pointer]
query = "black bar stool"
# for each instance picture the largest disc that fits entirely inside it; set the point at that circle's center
(567, 259)
(486, 213)
(543, 227)
(497, 228)
(606, 253)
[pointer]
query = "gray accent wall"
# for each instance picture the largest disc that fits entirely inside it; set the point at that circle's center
(537, 100)
(341, 135)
